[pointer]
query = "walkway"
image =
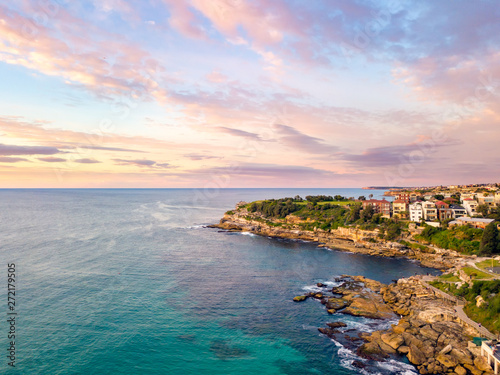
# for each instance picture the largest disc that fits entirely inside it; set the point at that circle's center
(459, 308)
(463, 316)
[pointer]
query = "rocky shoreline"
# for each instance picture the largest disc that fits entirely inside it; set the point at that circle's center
(345, 239)
(427, 334)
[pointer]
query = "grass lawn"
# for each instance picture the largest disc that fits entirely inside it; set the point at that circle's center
(449, 277)
(488, 264)
(339, 203)
(478, 274)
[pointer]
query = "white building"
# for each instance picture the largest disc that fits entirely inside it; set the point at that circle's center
(416, 212)
(430, 211)
(470, 206)
(458, 211)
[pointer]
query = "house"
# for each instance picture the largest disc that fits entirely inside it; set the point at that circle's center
(474, 222)
(458, 211)
(428, 197)
(488, 200)
(430, 211)
(464, 196)
(379, 206)
(470, 206)
(413, 197)
(405, 197)
(497, 198)
(444, 211)
(400, 207)
(416, 212)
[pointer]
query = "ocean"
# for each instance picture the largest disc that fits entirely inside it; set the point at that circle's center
(130, 281)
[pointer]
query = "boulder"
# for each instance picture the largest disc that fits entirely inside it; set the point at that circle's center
(473, 370)
(446, 349)
(368, 307)
(371, 350)
(482, 364)
(336, 324)
(299, 298)
(461, 356)
(402, 326)
(415, 356)
(336, 303)
(446, 360)
(428, 332)
(460, 370)
(320, 285)
(403, 349)
(393, 340)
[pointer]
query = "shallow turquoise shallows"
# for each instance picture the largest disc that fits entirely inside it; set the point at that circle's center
(131, 282)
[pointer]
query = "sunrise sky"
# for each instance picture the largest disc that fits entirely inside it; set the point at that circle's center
(248, 93)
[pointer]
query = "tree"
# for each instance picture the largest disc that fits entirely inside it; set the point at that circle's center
(439, 197)
(362, 198)
(483, 209)
(370, 196)
(367, 213)
(490, 243)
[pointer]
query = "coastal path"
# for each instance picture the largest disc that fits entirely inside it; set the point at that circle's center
(459, 308)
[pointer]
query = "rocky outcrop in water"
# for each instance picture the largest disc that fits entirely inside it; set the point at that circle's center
(428, 333)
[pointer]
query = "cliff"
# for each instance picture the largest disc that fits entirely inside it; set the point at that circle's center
(343, 238)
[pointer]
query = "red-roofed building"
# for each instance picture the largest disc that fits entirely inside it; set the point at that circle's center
(405, 197)
(379, 206)
(444, 211)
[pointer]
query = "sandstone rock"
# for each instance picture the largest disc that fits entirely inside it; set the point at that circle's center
(460, 370)
(403, 349)
(299, 298)
(446, 349)
(461, 356)
(393, 340)
(473, 370)
(401, 327)
(320, 285)
(318, 295)
(336, 324)
(482, 364)
(446, 360)
(415, 356)
(427, 331)
(369, 308)
(336, 303)
(331, 311)
(371, 350)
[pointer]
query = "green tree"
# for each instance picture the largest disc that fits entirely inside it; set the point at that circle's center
(483, 209)
(490, 243)
(362, 198)
(439, 197)
(367, 213)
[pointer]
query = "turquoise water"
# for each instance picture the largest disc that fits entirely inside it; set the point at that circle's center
(131, 282)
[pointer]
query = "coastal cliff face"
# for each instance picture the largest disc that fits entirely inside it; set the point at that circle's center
(343, 238)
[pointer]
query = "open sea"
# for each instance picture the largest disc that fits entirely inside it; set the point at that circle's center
(130, 281)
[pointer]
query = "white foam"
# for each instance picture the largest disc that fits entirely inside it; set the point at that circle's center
(248, 234)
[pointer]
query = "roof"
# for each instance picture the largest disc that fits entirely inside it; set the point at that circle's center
(475, 220)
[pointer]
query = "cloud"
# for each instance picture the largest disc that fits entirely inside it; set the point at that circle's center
(423, 149)
(216, 77)
(27, 150)
(239, 133)
(195, 156)
(52, 160)
(6, 159)
(143, 163)
(93, 147)
(86, 161)
(293, 138)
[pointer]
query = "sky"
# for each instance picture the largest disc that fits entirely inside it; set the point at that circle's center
(248, 93)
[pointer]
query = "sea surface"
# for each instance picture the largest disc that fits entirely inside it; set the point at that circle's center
(130, 281)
